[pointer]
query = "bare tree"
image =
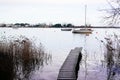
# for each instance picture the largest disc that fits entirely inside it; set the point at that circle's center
(113, 13)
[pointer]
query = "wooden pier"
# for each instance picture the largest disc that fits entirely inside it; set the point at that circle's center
(70, 67)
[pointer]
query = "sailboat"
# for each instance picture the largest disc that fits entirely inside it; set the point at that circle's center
(83, 30)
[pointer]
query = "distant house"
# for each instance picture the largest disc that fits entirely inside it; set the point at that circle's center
(21, 24)
(9, 25)
(2, 25)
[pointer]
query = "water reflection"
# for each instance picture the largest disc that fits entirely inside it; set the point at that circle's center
(59, 44)
(20, 58)
(106, 64)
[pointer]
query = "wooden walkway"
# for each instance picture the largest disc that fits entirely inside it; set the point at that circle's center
(70, 67)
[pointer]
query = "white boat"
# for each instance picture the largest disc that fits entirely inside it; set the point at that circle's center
(66, 29)
(83, 30)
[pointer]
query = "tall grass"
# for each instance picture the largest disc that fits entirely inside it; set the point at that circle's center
(19, 57)
(112, 57)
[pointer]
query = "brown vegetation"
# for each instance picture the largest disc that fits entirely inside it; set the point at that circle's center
(18, 58)
(112, 57)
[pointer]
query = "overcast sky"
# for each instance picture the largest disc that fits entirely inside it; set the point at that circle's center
(52, 11)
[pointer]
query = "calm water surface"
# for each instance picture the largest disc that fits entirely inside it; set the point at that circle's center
(59, 43)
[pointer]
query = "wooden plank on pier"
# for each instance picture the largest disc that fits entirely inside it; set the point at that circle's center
(70, 67)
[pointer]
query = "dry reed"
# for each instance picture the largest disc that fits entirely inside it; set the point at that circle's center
(19, 57)
(112, 57)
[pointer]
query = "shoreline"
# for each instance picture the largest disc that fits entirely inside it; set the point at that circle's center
(62, 27)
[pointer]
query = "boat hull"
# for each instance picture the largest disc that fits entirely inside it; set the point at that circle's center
(82, 31)
(66, 29)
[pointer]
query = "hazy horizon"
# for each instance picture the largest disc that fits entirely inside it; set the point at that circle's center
(52, 11)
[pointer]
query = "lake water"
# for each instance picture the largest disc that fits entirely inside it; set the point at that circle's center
(58, 44)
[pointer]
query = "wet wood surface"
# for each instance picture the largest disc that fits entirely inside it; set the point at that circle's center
(70, 67)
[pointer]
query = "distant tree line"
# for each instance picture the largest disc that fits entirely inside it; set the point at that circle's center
(22, 24)
(62, 25)
(41, 25)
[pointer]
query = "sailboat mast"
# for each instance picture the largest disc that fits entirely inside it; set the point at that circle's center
(85, 15)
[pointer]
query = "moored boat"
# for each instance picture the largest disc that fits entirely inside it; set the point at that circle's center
(82, 31)
(66, 29)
